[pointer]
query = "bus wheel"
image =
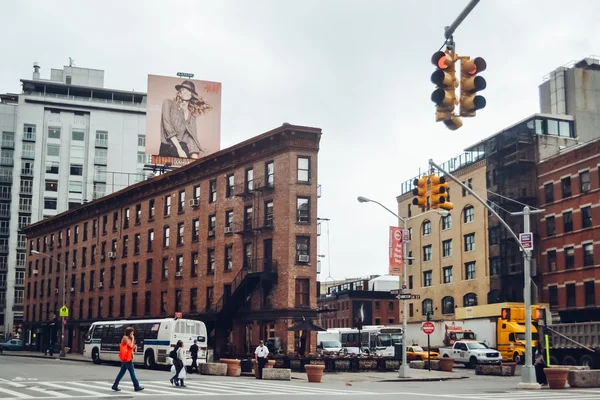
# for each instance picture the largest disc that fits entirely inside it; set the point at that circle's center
(517, 358)
(587, 361)
(96, 356)
(149, 361)
(568, 360)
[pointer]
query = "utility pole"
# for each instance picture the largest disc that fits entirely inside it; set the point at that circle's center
(528, 372)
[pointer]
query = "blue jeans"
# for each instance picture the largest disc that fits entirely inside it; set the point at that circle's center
(127, 366)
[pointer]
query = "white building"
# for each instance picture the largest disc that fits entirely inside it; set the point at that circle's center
(64, 141)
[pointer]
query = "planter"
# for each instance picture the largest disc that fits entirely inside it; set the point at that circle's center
(269, 364)
(557, 377)
(232, 366)
(512, 365)
(446, 364)
(314, 372)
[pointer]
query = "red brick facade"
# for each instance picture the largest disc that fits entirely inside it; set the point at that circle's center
(569, 191)
(269, 243)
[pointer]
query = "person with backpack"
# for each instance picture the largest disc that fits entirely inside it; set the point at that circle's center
(178, 357)
(126, 356)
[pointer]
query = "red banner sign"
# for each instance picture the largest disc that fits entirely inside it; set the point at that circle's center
(396, 254)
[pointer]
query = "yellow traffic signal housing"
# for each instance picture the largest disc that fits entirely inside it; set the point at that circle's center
(420, 192)
(444, 96)
(439, 193)
(470, 84)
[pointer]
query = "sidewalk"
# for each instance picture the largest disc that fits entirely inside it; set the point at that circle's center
(416, 375)
(35, 354)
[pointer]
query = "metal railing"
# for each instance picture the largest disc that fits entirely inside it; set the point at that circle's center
(89, 99)
(29, 136)
(101, 142)
(9, 144)
(4, 195)
(4, 212)
(28, 154)
(100, 160)
(25, 208)
(26, 172)
(7, 161)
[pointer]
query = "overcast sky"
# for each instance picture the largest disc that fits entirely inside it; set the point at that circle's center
(359, 70)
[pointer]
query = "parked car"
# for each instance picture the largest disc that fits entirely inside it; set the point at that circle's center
(471, 353)
(12, 345)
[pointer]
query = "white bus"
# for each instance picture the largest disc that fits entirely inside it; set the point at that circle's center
(155, 338)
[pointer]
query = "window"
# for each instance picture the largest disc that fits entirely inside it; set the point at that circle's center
(269, 212)
(150, 239)
(427, 307)
(77, 135)
(112, 276)
(179, 265)
(447, 274)
(167, 210)
(448, 305)
(26, 187)
(126, 218)
(247, 255)
(164, 272)
(115, 223)
(494, 235)
(549, 192)
(470, 270)
(586, 217)
(588, 254)
(303, 209)
(75, 186)
(138, 213)
(193, 299)
(76, 170)
(553, 296)
(302, 293)
(589, 288)
(228, 258)
(470, 300)
(136, 243)
(427, 278)
(210, 261)
(141, 141)
(53, 150)
(249, 180)
(447, 222)
(212, 225)
(303, 169)
(212, 195)
(495, 266)
(181, 204)
(163, 302)
(53, 133)
(248, 211)
(550, 226)
(571, 300)
(101, 156)
(567, 221)
(50, 204)
(180, 234)
(230, 190)
(52, 167)
(470, 242)
(151, 209)
(569, 257)
(427, 253)
(426, 228)
(194, 266)
(584, 181)
(195, 230)
(469, 214)
(566, 187)
(123, 275)
(209, 296)
(269, 174)
(125, 245)
(148, 270)
(303, 249)
(166, 233)
(141, 157)
(447, 247)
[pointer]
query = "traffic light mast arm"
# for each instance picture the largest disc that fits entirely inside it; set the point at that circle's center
(465, 187)
(449, 31)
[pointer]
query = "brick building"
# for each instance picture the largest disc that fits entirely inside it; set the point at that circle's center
(343, 302)
(569, 191)
(230, 240)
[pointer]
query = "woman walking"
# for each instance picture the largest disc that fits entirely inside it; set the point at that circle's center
(178, 356)
(126, 355)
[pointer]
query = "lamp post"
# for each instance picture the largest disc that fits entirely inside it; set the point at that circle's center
(64, 294)
(404, 370)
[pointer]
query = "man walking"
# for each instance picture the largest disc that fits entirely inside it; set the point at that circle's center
(260, 355)
(194, 354)
(126, 356)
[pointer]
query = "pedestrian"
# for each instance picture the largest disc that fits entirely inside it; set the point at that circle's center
(178, 356)
(260, 355)
(126, 355)
(194, 354)
(539, 364)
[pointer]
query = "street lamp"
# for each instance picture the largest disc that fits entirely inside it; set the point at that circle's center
(404, 370)
(62, 324)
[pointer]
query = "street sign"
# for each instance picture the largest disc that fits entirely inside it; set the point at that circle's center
(428, 328)
(404, 296)
(185, 75)
(406, 235)
(526, 240)
(64, 311)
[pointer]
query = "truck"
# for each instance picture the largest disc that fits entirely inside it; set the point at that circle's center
(471, 353)
(574, 343)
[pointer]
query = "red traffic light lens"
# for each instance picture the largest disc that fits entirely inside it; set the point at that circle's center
(439, 60)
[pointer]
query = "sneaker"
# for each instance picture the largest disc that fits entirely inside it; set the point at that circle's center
(139, 389)
(116, 389)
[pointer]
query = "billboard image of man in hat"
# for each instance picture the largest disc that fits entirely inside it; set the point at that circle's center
(179, 137)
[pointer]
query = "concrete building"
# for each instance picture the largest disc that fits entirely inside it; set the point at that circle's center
(230, 239)
(450, 266)
(55, 139)
(569, 192)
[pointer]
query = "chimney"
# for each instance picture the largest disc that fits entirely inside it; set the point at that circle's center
(36, 71)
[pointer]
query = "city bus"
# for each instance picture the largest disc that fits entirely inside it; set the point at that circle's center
(155, 338)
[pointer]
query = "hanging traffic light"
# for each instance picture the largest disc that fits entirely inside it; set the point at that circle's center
(439, 193)
(470, 84)
(444, 96)
(420, 192)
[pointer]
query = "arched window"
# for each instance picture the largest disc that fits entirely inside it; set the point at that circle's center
(426, 227)
(469, 300)
(468, 214)
(448, 305)
(427, 307)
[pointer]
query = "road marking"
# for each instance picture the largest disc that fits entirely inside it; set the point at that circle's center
(75, 389)
(15, 394)
(50, 392)
(14, 384)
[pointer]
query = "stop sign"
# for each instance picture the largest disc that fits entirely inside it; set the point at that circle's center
(428, 328)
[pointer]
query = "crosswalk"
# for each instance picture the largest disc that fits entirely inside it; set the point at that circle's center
(545, 394)
(98, 389)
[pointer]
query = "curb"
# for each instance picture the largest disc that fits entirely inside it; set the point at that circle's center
(44, 357)
(423, 379)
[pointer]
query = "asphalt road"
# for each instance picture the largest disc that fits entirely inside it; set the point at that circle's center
(33, 378)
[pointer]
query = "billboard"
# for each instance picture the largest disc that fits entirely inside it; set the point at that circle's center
(396, 255)
(183, 119)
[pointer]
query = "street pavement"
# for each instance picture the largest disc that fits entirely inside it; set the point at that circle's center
(35, 378)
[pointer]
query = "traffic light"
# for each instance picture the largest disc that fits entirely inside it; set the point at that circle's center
(506, 314)
(470, 84)
(420, 192)
(439, 193)
(444, 96)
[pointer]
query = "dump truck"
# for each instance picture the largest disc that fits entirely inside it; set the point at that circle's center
(574, 343)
